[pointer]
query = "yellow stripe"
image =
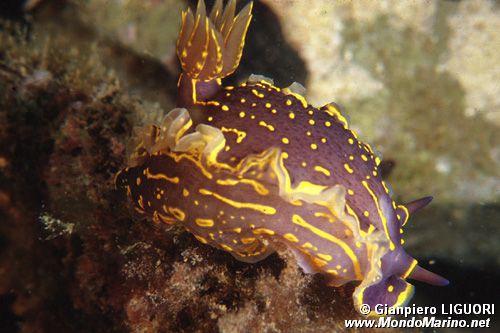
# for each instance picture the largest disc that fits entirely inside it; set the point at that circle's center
(258, 187)
(241, 134)
(176, 212)
(268, 210)
(380, 213)
(173, 180)
(332, 111)
(404, 295)
(407, 213)
(301, 98)
(177, 157)
(410, 269)
(297, 219)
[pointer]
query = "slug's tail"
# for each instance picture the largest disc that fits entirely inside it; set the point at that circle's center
(210, 47)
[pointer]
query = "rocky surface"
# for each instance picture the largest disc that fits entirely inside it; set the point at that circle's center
(75, 77)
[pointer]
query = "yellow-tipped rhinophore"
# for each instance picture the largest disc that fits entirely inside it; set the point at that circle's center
(210, 47)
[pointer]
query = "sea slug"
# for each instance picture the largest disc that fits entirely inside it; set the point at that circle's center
(247, 166)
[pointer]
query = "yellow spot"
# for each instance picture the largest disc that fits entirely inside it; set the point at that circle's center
(319, 262)
(243, 100)
(390, 288)
(358, 244)
(256, 93)
(284, 155)
(252, 116)
(242, 114)
(363, 156)
(374, 173)
(308, 133)
(326, 257)
(351, 158)
(308, 245)
(328, 124)
(350, 192)
(314, 146)
(402, 241)
(206, 223)
(288, 102)
(310, 112)
(291, 115)
(351, 141)
(185, 192)
(248, 240)
(226, 247)
(285, 141)
(264, 124)
(273, 111)
(304, 164)
(322, 170)
(140, 202)
(323, 140)
(210, 118)
(158, 196)
(225, 108)
(327, 216)
(268, 105)
(311, 122)
(268, 210)
(366, 213)
(263, 231)
(201, 239)
(291, 237)
(138, 181)
(348, 168)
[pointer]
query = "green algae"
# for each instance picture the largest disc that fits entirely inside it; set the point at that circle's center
(149, 27)
(418, 119)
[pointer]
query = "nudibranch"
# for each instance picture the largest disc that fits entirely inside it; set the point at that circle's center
(246, 167)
